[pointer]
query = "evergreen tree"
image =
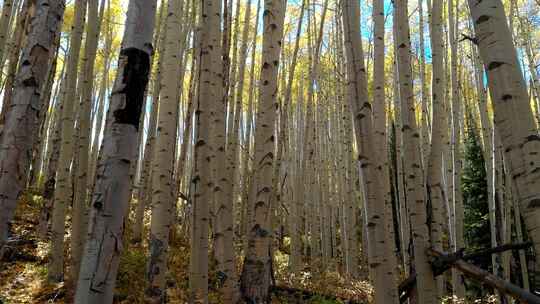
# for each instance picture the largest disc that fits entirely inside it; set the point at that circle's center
(475, 203)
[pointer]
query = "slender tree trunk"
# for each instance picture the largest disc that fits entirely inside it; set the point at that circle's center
(380, 136)
(426, 286)
(110, 201)
(23, 22)
(247, 170)
(378, 235)
(18, 136)
(163, 196)
(7, 10)
(81, 185)
(208, 94)
(63, 193)
(256, 273)
(423, 86)
(439, 134)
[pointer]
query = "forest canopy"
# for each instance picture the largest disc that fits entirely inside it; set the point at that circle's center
(269, 151)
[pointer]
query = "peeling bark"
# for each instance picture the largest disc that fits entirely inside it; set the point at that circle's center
(18, 136)
(110, 200)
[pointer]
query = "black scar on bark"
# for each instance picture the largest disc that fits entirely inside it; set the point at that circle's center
(135, 78)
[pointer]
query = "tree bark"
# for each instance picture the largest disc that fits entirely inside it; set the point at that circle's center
(163, 189)
(256, 272)
(18, 136)
(375, 217)
(513, 115)
(110, 201)
(412, 166)
(63, 192)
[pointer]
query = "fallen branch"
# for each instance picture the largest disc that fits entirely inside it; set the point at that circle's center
(443, 262)
(489, 279)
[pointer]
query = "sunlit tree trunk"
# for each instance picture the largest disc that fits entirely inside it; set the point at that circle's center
(223, 174)
(145, 180)
(110, 201)
(425, 117)
(513, 119)
(439, 133)
(64, 191)
(100, 101)
(81, 184)
(378, 236)
(380, 136)
(163, 189)
(456, 206)
(247, 170)
(256, 272)
(425, 281)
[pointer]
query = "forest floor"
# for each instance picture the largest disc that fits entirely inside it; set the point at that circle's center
(23, 272)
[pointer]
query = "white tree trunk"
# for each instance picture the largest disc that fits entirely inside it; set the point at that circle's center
(513, 115)
(163, 189)
(426, 286)
(256, 273)
(63, 192)
(110, 201)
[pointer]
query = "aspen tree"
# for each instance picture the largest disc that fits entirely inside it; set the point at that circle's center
(247, 170)
(63, 190)
(439, 133)
(18, 38)
(424, 121)
(110, 200)
(223, 179)
(295, 259)
(163, 196)
(234, 137)
(7, 9)
(100, 101)
(145, 181)
(188, 120)
(426, 286)
(379, 130)
(18, 135)
(256, 272)
(230, 76)
(208, 93)
(81, 185)
(457, 238)
(513, 116)
(375, 218)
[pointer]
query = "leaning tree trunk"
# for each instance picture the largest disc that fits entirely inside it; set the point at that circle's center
(18, 136)
(416, 202)
(63, 192)
(110, 200)
(256, 273)
(513, 115)
(4, 26)
(81, 184)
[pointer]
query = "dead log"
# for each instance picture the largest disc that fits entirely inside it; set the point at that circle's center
(522, 295)
(443, 262)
